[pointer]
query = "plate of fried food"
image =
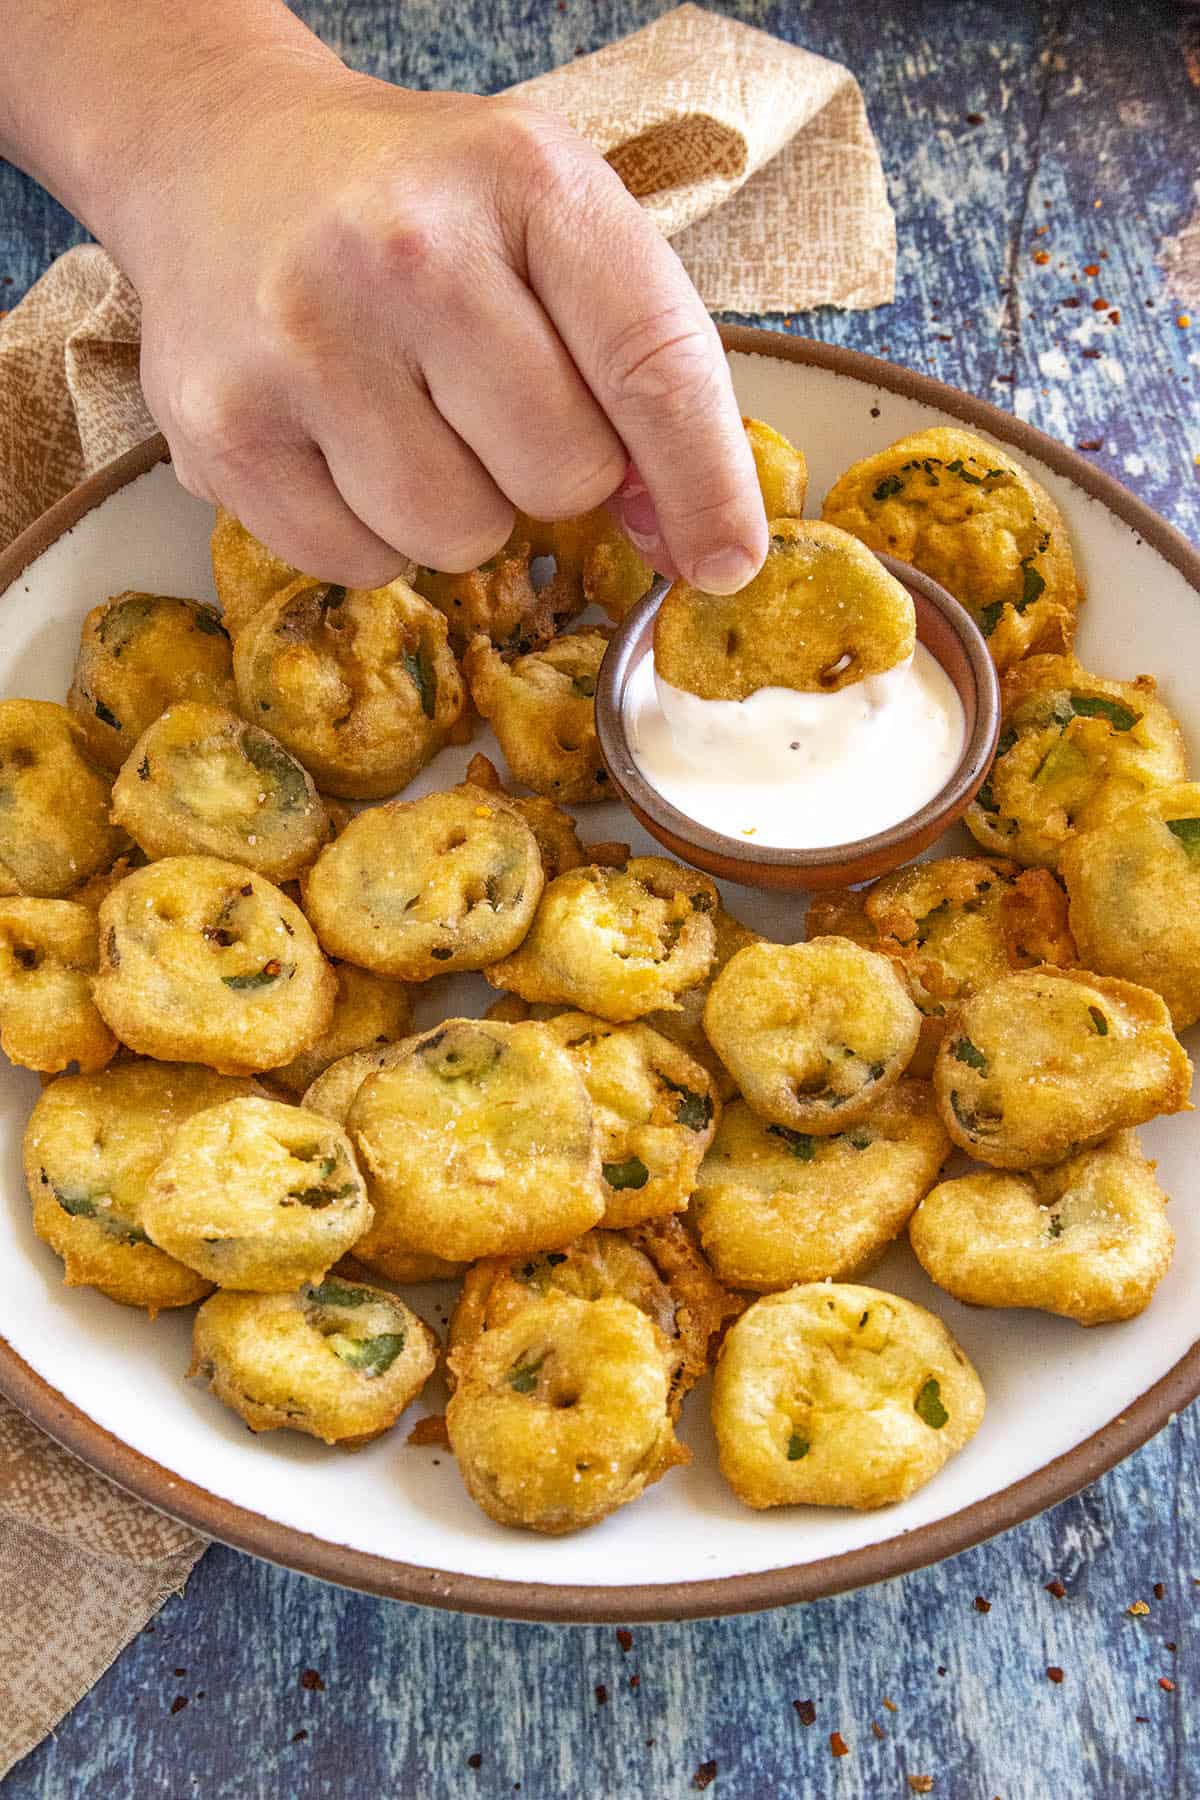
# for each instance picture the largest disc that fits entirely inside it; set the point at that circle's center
(373, 1084)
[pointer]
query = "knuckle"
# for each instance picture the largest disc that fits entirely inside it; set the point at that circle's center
(564, 493)
(666, 361)
(456, 552)
(537, 153)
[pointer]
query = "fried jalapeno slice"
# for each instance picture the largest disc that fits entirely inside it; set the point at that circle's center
(813, 1034)
(139, 653)
(655, 1114)
(48, 954)
(823, 612)
(968, 515)
(1134, 886)
(245, 573)
(837, 1395)
(257, 1195)
(562, 1414)
(204, 960)
(201, 781)
(478, 1141)
(91, 1147)
(359, 684)
(54, 826)
(368, 1012)
(1088, 1239)
(951, 926)
(500, 600)
(1047, 1061)
(424, 887)
(773, 1206)
(542, 708)
(1074, 749)
(339, 1360)
(617, 942)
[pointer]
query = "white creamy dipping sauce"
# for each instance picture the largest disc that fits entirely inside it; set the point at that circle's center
(800, 771)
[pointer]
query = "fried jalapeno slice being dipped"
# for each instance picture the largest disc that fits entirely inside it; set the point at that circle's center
(91, 1146)
(823, 612)
(254, 1194)
(359, 684)
(369, 1011)
(1134, 886)
(1074, 749)
(773, 1206)
(339, 1360)
(140, 653)
(813, 1034)
(658, 1270)
(655, 1114)
(54, 826)
(562, 1414)
(1087, 1239)
(204, 960)
(201, 781)
(49, 950)
(1047, 1061)
(965, 513)
(478, 1141)
(543, 711)
(424, 887)
(838, 1395)
(617, 942)
(951, 926)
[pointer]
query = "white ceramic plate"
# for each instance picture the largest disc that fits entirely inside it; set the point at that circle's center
(1063, 1403)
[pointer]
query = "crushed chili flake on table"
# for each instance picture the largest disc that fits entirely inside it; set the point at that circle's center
(1069, 300)
(1091, 268)
(178, 1703)
(635, 1681)
(1159, 1591)
(625, 1639)
(974, 118)
(877, 1730)
(1089, 443)
(921, 1784)
(298, 1737)
(705, 1774)
(1184, 320)
(1056, 1588)
(806, 1710)
(475, 1760)
(982, 1605)
(1092, 354)
(1114, 317)
(1138, 1609)
(1041, 256)
(838, 1745)
(890, 1704)
(1170, 1646)
(601, 1694)
(180, 1673)
(1099, 305)
(1054, 1673)
(312, 1681)
(1166, 1684)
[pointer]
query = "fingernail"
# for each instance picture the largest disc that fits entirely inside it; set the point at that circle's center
(725, 571)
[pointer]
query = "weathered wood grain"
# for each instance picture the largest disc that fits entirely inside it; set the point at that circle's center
(995, 120)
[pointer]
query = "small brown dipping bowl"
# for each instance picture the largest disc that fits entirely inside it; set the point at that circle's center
(947, 631)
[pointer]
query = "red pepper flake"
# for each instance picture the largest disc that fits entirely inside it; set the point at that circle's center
(180, 1673)
(1091, 268)
(974, 118)
(178, 1703)
(806, 1711)
(1159, 1591)
(1092, 354)
(298, 1737)
(1041, 231)
(625, 1639)
(1089, 443)
(1164, 1682)
(1140, 1719)
(1070, 300)
(1170, 1646)
(635, 1681)
(601, 1694)
(1054, 1674)
(312, 1681)
(890, 1704)
(1114, 317)
(878, 1730)
(1056, 1588)
(838, 1745)
(1099, 305)
(982, 1605)
(1041, 256)
(941, 1670)
(475, 1760)
(921, 1784)
(705, 1775)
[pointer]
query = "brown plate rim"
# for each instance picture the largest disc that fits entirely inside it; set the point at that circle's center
(582, 1603)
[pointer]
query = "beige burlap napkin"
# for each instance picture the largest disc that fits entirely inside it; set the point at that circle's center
(756, 159)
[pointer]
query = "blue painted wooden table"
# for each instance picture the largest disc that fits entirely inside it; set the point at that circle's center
(1041, 160)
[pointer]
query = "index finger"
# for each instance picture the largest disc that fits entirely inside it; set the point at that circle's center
(640, 336)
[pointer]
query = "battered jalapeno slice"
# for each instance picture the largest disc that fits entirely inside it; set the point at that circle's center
(967, 514)
(1134, 884)
(424, 887)
(245, 573)
(554, 829)
(543, 711)
(478, 1141)
(368, 1012)
(951, 926)
(773, 1206)
(254, 1194)
(54, 826)
(339, 1360)
(1047, 1061)
(821, 613)
(360, 684)
(204, 960)
(1074, 749)
(655, 1114)
(48, 955)
(813, 1034)
(138, 654)
(618, 942)
(660, 1272)
(91, 1146)
(201, 781)
(1088, 1239)
(500, 600)
(837, 1395)
(562, 1414)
